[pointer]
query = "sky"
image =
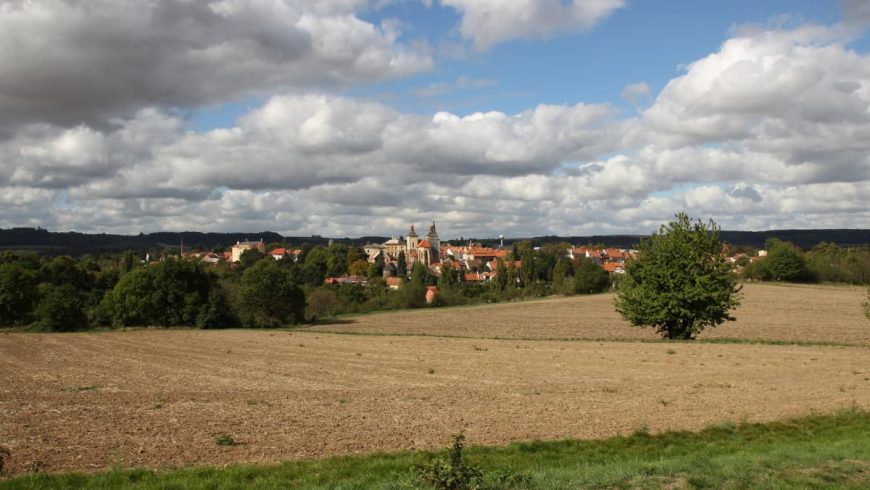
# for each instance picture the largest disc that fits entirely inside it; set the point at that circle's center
(489, 117)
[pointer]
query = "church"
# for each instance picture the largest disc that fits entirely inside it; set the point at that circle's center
(426, 250)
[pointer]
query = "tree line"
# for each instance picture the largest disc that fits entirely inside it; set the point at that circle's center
(120, 290)
(825, 262)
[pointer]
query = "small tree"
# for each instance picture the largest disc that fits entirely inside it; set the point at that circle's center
(590, 277)
(401, 264)
(680, 282)
(784, 262)
(322, 303)
(376, 269)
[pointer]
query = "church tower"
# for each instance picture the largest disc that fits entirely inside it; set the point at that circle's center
(411, 243)
(434, 242)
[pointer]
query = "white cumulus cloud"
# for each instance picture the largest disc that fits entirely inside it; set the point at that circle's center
(489, 22)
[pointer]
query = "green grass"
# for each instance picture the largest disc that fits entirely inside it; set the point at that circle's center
(824, 451)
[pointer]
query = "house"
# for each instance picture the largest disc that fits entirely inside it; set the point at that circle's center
(485, 254)
(478, 277)
(373, 250)
(240, 247)
(393, 282)
(211, 258)
(281, 253)
(614, 267)
(431, 294)
(345, 280)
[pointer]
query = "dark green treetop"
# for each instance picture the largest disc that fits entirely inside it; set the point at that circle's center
(680, 282)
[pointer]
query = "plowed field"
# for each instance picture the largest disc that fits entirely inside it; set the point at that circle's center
(775, 312)
(159, 398)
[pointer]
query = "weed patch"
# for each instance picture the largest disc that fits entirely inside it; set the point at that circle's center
(225, 440)
(452, 473)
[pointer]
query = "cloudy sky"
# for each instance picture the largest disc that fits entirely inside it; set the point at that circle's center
(358, 117)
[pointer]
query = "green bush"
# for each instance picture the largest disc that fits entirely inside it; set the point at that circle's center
(452, 473)
(224, 440)
(590, 278)
(61, 308)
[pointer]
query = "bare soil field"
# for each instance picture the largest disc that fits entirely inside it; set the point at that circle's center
(158, 398)
(787, 312)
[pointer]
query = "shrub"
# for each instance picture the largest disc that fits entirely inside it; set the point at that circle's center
(452, 473)
(61, 308)
(224, 440)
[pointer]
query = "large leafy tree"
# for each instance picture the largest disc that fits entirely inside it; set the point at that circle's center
(169, 293)
(680, 282)
(269, 296)
(18, 294)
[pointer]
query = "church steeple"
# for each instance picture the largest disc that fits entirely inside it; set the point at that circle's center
(434, 242)
(411, 242)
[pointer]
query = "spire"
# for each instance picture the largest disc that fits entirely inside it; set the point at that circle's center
(412, 233)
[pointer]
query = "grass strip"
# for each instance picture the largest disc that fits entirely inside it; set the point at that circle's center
(798, 343)
(821, 451)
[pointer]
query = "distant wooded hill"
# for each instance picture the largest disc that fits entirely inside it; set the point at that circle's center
(78, 243)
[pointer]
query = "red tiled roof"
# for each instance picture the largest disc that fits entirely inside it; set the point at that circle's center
(394, 281)
(475, 277)
(423, 244)
(488, 252)
(278, 251)
(612, 266)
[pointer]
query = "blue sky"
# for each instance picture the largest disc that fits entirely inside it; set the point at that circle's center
(357, 117)
(646, 41)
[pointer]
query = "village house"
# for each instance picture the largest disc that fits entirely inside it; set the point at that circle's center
(280, 253)
(211, 258)
(240, 247)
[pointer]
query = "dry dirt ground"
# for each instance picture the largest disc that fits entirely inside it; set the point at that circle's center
(159, 398)
(787, 312)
